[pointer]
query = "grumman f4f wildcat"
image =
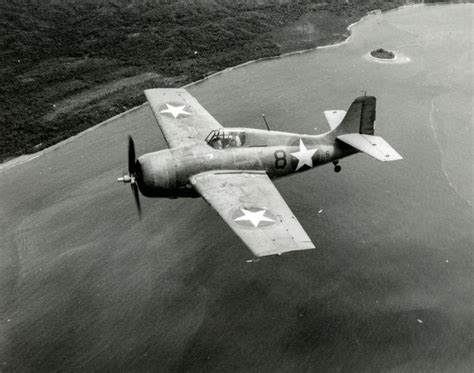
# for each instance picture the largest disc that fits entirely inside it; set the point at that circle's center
(233, 168)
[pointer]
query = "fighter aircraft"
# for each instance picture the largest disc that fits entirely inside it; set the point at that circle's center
(233, 168)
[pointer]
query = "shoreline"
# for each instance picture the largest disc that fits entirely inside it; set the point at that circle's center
(29, 157)
(397, 60)
(288, 54)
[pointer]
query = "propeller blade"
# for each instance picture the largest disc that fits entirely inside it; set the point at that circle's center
(137, 199)
(131, 156)
(131, 177)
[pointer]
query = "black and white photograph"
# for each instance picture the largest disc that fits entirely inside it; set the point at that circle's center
(236, 186)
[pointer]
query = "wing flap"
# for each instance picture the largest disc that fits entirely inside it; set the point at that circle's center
(375, 146)
(181, 118)
(254, 209)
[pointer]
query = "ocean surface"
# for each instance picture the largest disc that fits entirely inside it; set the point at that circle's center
(84, 286)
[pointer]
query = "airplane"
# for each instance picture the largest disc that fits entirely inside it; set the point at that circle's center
(233, 168)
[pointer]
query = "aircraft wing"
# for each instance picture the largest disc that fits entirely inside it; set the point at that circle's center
(181, 118)
(252, 206)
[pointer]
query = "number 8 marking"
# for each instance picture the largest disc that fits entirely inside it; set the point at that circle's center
(280, 159)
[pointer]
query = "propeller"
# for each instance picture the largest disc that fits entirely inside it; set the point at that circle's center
(131, 177)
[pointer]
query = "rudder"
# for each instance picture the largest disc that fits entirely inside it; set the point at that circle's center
(360, 117)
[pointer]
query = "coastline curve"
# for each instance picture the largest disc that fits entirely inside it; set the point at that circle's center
(29, 157)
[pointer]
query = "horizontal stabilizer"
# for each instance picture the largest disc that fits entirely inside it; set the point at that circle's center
(334, 117)
(375, 146)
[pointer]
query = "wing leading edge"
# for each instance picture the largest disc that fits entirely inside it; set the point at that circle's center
(181, 118)
(254, 209)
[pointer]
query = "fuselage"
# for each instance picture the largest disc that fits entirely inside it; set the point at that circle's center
(166, 173)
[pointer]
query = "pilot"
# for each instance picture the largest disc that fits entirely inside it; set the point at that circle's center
(237, 141)
(218, 143)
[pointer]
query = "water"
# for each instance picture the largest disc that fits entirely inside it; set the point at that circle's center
(84, 286)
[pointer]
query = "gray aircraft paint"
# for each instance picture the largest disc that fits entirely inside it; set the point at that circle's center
(231, 168)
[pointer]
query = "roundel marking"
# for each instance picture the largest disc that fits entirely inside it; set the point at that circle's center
(175, 110)
(306, 154)
(253, 217)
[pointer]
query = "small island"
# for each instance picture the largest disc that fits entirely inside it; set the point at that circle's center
(382, 53)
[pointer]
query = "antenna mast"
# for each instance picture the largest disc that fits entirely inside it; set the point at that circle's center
(266, 123)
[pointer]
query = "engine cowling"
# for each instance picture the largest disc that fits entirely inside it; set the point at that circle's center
(156, 174)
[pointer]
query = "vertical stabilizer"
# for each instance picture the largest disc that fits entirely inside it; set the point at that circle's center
(360, 117)
(357, 130)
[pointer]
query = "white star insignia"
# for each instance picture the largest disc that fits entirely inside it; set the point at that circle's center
(175, 111)
(304, 156)
(255, 217)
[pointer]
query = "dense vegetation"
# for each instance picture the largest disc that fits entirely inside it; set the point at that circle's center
(68, 65)
(382, 53)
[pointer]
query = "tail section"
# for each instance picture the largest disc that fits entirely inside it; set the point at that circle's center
(375, 146)
(357, 130)
(360, 117)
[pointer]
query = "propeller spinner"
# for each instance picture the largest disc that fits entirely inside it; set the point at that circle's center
(131, 177)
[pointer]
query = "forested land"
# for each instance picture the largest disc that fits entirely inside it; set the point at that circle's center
(67, 65)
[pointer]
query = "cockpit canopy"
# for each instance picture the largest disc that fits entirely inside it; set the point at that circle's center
(223, 139)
